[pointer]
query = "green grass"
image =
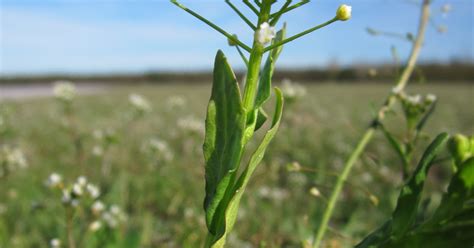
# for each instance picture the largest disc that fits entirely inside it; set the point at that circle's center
(163, 199)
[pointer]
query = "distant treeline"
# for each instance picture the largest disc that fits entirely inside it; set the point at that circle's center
(459, 72)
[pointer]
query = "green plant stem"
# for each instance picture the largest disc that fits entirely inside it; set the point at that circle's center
(242, 56)
(278, 14)
(214, 26)
(425, 12)
(249, 4)
(69, 228)
(292, 7)
(242, 16)
(294, 37)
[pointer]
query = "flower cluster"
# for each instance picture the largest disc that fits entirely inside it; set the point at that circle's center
(105, 216)
(265, 33)
(64, 90)
(73, 193)
(11, 159)
(175, 102)
(415, 106)
(139, 103)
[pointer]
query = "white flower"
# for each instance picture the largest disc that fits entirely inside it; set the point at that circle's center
(97, 151)
(77, 189)
(416, 99)
(114, 209)
(314, 191)
(397, 90)
(431, 97)
(54, 180)
(139, 103)
(97, 207)
(344, 12)
(265, 33)
(55, 243)
(13, 158)
(64, 90)
(94, 226)
(292, 90)
(175, 102)
(191, 124)
(66, 196)
(82, 181)
(93, 190)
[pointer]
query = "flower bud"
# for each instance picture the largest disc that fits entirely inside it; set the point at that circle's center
(344, 12)
(232, 42)
(265, 33)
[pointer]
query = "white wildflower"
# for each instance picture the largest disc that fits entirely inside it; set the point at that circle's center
(415, 99)
(397, 90)
(175, 102)
(95, 226)
(191, 124)
(64, 90)
(265, 33)
(55, 243)
(291, 90)
(97, 207)
(77, 189)
(54, 180)
(315, 192)
(139, 103)
(82, 181)
(66, 198)
(344, 12)
(93, 190)
(97, 151)
(431, 97)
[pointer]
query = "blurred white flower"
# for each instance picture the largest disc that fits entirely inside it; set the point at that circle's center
(94, 226)
(97, 151)
(397, 90)
(344, 12)
(64, 90)
(97, 207)
(292, 91)
(315, 192)
(191, 124)
(93, 190)
(77, 189)
(139, 103)
(160, 148)
(82, 181)
(415, 99)
(54, 180)
(66, 198)
(265, 33)
(175, 102)
(55, 243)
(431, 97)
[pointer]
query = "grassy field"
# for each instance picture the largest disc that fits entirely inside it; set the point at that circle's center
(160, 188)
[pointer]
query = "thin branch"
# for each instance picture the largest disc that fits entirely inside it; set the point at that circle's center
(294, 37)
(249, 4)
(280, 13)
(212, 25)
(292, 7)
(244, 18)
(242, 56)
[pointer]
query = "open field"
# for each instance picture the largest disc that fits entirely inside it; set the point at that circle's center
(160, 188)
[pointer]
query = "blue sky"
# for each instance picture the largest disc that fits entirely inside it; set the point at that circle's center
(101, 36)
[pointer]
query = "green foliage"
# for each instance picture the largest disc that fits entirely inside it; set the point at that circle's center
(450, 225)
(226, 135)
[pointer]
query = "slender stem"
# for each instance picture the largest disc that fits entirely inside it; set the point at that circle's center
(249, 4)
(69, 227)
(279, 13)
(244, 18)
(212, 25)
(258, 3)
(242, 56)
(292, 7)
(255, 61)
(425, 12)
(294, 37)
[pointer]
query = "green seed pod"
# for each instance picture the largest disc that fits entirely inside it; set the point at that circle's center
(460, 148)
(231, 42)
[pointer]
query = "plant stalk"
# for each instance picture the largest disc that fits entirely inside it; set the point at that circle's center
(360, 147)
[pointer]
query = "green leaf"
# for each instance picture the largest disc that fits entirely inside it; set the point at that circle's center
(265, 85)
(261, 118)
(225, 123)
(395, 144)
(407, 205)
(256, 158)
